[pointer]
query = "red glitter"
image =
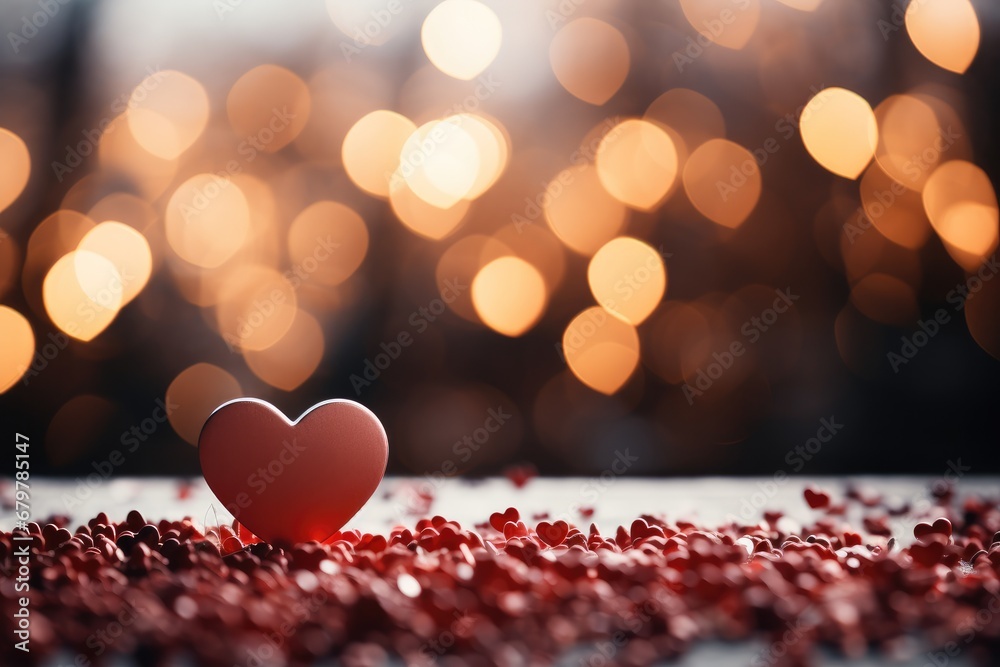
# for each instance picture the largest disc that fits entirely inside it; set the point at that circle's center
(439, 592)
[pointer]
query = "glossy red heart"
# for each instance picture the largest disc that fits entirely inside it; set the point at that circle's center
(499, 519)
(293, 481)
(553, 534)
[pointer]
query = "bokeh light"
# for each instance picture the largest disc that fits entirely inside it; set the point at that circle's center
(509, 295)
(839, 130)
(981, 315)
(722, 180)
(121, 155)
(692, 116)
(425, 219)
(194, 394)
(207, 220)
(637, 163)
(167, 112)
(802, 5)
(77, 428)
(601, 349)
(580, 211)
(491, 148)
(256, 307)
(461, 37)
(268, 107)
(946, 32)
(962, 207)
(17, 167)
(18, 347)
(461, 263)
(327, 241)
(896, 211)
(885, 299)
(293, 358)
(372, 148)
(628, 278)
(127, 250)
(724, 22)
(83, 293)
(440, 162)
(590, 58)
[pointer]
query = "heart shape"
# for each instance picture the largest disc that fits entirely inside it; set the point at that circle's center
(815, 498)
(500, 519)
(293, 481)
(553, 534)
(928, 551)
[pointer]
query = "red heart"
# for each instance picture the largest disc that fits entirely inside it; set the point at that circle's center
(499, 520)
(928, 552)
(816, 499)
(293, 481)
(553, 534)
(922, 529)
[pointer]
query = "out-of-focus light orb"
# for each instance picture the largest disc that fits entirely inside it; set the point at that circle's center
(491, 144)
(509, 295)
(372, 148)
(946, 32)
(440, 162)
(134, 211)
(127, 249)
(120, 153)
(10, 262)
(425, 219)
(366, 22)
(969, 227)
(590, 59)
(52, 238)
(627, 277)
(293, 358)
(580, 211)
(981, 314)
(722, 180)
(962, 206)
(601, 349)
(194, 394)
(82, 294)
(256, 307)
(539, 247)
(693, 116)
(679, 341)
(886, 299)
(839, 130)
(458, 266)
(167, 113)
(896, 211)
(911, 141)
(728, 23)
(803, 5)
(18, 348)
(268, 107)
(637, 163)
(327, 243)
(16, 163)
(207, 220)
(461, 37)
(77, 426)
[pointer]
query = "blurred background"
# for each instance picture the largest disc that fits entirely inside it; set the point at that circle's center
(702, 236)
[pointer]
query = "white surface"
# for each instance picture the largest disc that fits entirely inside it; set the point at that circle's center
(616, 500)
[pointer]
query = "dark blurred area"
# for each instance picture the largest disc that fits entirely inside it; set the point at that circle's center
(728, 236)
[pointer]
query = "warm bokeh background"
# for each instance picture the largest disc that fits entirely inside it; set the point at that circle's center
(520, 232)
